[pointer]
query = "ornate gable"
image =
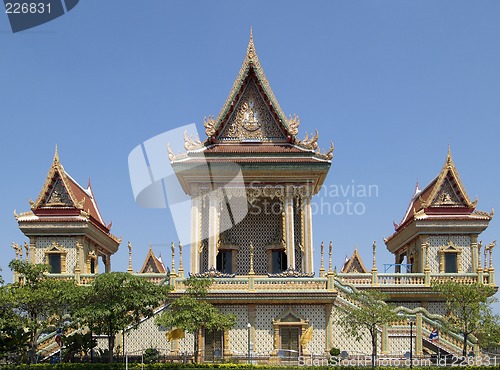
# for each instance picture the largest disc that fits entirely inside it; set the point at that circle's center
(56, 191)
(354, 264)
(152, 264)
(59, 196)
(251, 111)
(448, 190)
(447, 196)
(252, 119)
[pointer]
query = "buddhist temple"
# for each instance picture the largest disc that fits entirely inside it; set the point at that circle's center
(254, 237)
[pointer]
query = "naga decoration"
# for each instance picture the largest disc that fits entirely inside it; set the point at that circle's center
(310, 142)
(328, 155)
(293, 124)
(291, 273)
(209, 124)
(212, 273)
(190, 143)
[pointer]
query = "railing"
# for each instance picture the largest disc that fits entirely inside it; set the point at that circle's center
(263, 284)
(465, 278)
(413, 279)
(276, 284)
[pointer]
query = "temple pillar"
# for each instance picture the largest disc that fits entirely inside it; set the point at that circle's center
(474, 252)
(307, 233)
(384, 350)
(107, 263)
(213, 229)
(418, 335)
(289, 229)
(195, 231)
(32, 250)
(329, 327)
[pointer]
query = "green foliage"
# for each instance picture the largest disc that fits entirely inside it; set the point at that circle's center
(470, 309)
(191, 313)
(370, 314)
(334, 351)
(77, 346)
(151, 355)
(37, 303)
(117, 300)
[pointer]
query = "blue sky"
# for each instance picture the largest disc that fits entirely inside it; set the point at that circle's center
(392, 83)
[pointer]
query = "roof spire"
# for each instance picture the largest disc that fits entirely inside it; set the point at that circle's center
(251, 54)
(449, 158)
(56, 155)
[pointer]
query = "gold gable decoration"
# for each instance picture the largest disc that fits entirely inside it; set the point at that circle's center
(447, 197)
(250, 64)
(251, 119)
(354, 264)
(56, 191)
(446, 194)
(59, 197)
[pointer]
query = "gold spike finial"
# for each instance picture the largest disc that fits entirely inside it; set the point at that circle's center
(56, 155)
(251, 54)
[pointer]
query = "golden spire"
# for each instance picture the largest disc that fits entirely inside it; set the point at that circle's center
(56, 156)
(449, 158)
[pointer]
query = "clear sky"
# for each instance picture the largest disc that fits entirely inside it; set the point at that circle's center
(392, 83)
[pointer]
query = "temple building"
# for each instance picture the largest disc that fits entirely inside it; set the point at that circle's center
(254, 237)
(65, 228)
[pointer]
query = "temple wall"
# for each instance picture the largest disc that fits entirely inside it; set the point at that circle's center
(66, 243)
(460, 241)
(345, 342)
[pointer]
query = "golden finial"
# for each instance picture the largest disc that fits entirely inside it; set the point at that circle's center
(181, 268)
(449, 159)
(322, 265)
(56, 155)
(129, 269)
(251, 272)
(251, 47)
(330, 258)
(490, 248)
(173, 258)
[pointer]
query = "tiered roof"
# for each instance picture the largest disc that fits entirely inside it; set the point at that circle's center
(153, 264)
(63, 200)
(444, 198)
(354, 264)
(252, 129)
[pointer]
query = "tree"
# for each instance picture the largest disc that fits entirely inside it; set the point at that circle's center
(469, 306)
(369, 314)
(117, 300)
(190, 312)
(39, 302)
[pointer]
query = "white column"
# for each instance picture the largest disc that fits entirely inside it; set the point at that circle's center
(308, 236)
(289, 232)
(213, 229)
(195, 232)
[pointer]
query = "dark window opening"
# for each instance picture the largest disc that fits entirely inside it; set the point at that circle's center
(225, 261)
(55, 263)
(450, 263)
(279, 262)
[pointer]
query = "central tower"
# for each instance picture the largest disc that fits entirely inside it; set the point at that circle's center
(251, 183)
